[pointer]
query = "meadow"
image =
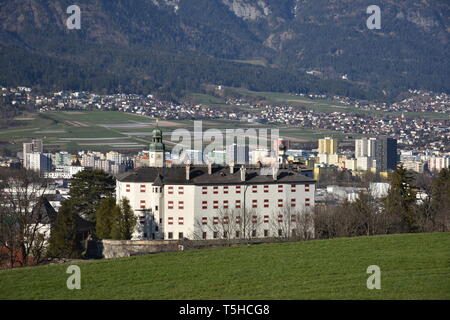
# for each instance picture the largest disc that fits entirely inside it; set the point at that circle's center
(413, 266)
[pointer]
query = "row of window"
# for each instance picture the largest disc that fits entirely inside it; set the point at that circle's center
(215, 190)
(237, 234)
(142, 188)
(226, 204)
(238, 219)
(226, 220)
(170, 221)
(254, 189)
(266, 203)
(143, 205)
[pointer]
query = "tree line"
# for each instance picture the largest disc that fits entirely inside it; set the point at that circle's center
(31, 231)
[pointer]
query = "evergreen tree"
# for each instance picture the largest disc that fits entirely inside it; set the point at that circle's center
(128, 218)
(63, 237)
(401, 199)
(104, 217)
(116, 224)
(88, 188)
(440, 200)
(123, 221)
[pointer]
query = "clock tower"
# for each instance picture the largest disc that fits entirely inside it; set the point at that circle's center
(157, 150)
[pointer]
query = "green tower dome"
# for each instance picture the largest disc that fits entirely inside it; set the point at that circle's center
(157, 145)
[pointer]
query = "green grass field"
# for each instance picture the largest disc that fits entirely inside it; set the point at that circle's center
(111, 130)
(413, 266)
(74, 131)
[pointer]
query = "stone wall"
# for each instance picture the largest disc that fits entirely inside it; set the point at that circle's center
(121, 248)
(127, 248)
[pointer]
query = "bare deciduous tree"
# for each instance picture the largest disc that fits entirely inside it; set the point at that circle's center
(23, 221)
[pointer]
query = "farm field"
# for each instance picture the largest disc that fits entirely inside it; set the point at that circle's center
(111, 130)
(73, 131)
(413, 266)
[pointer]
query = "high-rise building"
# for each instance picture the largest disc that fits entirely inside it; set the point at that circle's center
(114, 156)
(438, 163)
(40, 162)
(365, 147)
(327, 146)
(386, 154)
(35, 146)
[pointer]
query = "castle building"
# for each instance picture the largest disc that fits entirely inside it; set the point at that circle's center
(190, 202)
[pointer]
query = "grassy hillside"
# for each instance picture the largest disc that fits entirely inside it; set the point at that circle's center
(412, 267)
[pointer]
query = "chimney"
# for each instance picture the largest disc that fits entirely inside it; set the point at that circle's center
(209, 168)
(232, 167)
(243, 173)
(275, 173)
(188, 172)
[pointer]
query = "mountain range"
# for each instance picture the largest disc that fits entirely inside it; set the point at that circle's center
(176, 46)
